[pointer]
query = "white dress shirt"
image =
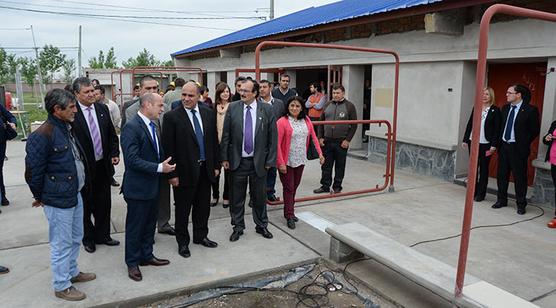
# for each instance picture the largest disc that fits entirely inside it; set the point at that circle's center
(516, 111)
(197, 114)
(254, 121)
(147, 122)
(86, 115)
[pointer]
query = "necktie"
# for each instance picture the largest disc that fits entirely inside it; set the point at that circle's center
(248, 132)
(95, 135)
(199, 135)
(510, 125)
(153, 131)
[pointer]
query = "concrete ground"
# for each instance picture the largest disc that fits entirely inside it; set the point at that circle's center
(517, 258)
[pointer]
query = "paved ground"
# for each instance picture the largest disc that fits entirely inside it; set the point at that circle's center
(517, 258)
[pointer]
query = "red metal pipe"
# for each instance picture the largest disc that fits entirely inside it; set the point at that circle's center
(387, 175)
(252, 70)
(479, 86)
(349, 48)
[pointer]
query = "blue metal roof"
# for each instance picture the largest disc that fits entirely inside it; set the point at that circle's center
(310, 17)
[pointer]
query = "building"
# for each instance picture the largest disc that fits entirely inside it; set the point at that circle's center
(437, 42)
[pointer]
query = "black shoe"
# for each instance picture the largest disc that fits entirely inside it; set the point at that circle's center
(111, 242)
(336, 191)
(206, 242)
(295, 218)
(4, 270)
(321, 190)
(264, 232)
(169, 230)
(5, 202)
(235, 236)
(291, 223)
(479, 198)
(89, 247)
(225, 205)
(114, 183)
(498, 205)
(184, 251)
(521, 211)
(213, 204)
(272, 198)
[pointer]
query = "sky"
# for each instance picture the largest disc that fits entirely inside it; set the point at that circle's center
(128, 38)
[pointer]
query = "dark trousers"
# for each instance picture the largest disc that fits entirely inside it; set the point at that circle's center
(2, 158)
(164, 205)
(290, 181)
(140, 224)
(271, 181)
(216, 186)
(196, 198)
(553, 173)
(244, 174)
(509, 160)
(98, 203)
(482, 169)
(334, 156)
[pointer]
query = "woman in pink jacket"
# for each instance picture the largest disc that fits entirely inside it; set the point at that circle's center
(294, 130)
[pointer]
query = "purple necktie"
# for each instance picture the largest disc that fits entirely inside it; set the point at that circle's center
(248, 132)
(95, 135)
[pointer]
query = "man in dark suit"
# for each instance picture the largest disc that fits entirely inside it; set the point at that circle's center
(248, 149)
(279, 109)
(520, 127)
(143, 165)
(95, 132)
(9, 120)
(189, 136)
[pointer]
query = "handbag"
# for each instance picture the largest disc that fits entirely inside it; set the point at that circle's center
(312, 152)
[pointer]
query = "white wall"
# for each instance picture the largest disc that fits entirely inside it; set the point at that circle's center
(353, 79)
(549, 110)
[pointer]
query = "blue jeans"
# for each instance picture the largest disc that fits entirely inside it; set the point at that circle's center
(65, 231)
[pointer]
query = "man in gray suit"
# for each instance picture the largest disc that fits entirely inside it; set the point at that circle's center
(248, 149)
(279, 109)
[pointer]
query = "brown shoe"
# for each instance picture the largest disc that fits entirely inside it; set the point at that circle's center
(134, 273)
(70, 294)
(155, 262)
(83, 277)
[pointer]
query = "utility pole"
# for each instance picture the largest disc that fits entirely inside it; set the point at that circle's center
(79, 55)
(41, 89)
(271, 10)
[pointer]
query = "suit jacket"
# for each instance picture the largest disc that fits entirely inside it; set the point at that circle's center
(493, 127)
(124, 108)
(179, 142)
(266, 138)
(141, 179)
(110, 143)
(526, 127)
(278, 107)
(549, 143)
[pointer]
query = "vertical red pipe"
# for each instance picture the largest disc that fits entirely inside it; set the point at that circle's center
(479, 86)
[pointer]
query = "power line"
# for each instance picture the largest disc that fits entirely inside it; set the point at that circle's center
(15, 29)
(129, 16)
(116, 19)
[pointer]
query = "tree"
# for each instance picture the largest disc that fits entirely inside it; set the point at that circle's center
(51, 60)
(102, 61)
(69, 70)
(145, 58)
(28, 69)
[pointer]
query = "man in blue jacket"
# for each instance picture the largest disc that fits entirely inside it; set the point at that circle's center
(55, 170)
(143, 157)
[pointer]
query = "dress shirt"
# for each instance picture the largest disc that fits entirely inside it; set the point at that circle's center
(254, 121)
(147, 122)
(197, 114)
(482, 138)
(516, 111)
(86, 115)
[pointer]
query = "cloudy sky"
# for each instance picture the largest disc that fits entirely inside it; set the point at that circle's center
(101, 31)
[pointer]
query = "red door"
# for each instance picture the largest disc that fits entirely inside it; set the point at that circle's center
(503, 75)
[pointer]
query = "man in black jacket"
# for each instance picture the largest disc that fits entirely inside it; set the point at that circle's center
(95, 132)
(9, 120)
(520, 126)
(55, 170)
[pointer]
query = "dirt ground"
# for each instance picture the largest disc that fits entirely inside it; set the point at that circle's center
(313, 289)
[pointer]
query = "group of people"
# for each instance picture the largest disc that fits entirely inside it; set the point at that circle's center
(509, 132)
(178, 142)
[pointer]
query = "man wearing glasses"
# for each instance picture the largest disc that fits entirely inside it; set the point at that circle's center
(520, 127)
(150, 85)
